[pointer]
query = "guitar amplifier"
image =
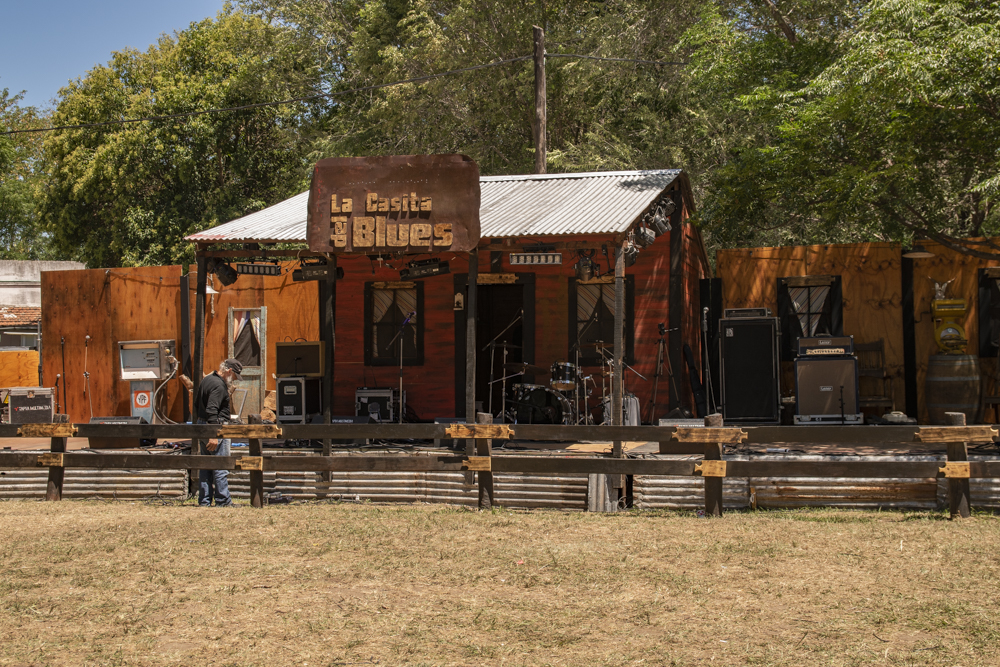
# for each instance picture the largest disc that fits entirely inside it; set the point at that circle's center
(826, 391)
(749, 370)
(119, 443)
(731, 313)
(826, 346)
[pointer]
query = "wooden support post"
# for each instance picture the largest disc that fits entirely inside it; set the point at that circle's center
(958, 488)
(484, 447)
(713, 485)
(471, 310)
(256, 476)
(328, 334)
(54, 487)
(540, 95)
(618, 481)
(199, 343)
(184, 351)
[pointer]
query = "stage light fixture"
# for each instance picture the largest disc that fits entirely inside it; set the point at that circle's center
(660, 222)
(631, 254)
(226, 274)
(917, 252)
(644, 237)
(424, 269)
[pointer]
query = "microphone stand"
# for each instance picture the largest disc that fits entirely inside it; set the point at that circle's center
(492, 348)
(713, 404)
(399, 335)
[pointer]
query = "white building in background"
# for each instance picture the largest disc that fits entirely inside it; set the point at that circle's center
(21, 299)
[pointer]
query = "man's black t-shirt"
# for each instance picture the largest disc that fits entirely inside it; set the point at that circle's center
(213, 399)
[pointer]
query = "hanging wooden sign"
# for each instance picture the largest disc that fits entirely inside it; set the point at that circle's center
(412, 204)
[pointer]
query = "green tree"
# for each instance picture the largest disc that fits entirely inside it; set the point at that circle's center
(126, 194)
(897, 137)
(20, 237)
(601, 115)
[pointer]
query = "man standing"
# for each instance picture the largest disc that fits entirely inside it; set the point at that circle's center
(212, 403)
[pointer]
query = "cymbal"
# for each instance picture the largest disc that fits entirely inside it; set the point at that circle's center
(525, 367)
(509, 346)
(597, 344)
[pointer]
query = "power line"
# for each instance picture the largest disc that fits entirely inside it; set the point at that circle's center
(614, 60)
(308, 98)
(188, 114)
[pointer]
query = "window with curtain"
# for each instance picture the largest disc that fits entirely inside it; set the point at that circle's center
(394, 314)
(808, 306)
(592, 319)
(246, 337)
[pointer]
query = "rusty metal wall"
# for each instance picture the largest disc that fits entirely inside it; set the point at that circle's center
(512, 490)
(87, 483)
(661, 492)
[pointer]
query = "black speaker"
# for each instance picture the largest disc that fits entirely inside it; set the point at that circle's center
(750, 370)
(826, 391)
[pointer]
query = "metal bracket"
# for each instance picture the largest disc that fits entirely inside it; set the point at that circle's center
(47, 430)
(479, 431)
(956, 470)
(51, 460)
(478, 463)
(250, 463)
(711, 468)
(249, 431)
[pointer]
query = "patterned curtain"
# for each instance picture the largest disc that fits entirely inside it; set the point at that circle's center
(808, 304)
(389, 309)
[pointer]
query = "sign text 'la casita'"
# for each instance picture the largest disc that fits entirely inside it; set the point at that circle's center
(387, 222)
(409, 204)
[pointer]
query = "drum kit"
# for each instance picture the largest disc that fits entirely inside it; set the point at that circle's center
(565, 399)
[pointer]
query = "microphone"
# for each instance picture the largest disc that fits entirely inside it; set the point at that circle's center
(704, 319)
(409, 317)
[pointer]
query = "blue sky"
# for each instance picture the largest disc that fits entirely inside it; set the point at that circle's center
(46, 43)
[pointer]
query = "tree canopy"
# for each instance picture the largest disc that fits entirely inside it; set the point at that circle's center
(127, 194)
(799, 121)
(20, 237)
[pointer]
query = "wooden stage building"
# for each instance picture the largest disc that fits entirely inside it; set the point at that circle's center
(544, 312)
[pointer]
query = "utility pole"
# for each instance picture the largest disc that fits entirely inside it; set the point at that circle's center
(540, 147)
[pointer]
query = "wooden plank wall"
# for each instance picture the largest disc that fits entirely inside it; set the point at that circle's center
(109, 305)
(19, 368)
(872, 291)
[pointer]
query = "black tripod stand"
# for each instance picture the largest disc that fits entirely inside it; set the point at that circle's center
(661, 357)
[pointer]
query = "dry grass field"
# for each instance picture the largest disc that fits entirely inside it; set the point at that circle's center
(335, 584)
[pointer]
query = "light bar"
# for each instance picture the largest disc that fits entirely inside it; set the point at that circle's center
(524, 258)
(259, 269)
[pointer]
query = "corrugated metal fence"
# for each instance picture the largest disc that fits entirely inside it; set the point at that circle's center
(554, 491)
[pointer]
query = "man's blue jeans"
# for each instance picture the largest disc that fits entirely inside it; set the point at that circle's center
(215, 482)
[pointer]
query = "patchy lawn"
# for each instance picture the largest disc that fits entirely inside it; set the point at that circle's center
(326, 584)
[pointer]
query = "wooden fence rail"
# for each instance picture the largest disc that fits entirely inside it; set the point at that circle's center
(708, 442)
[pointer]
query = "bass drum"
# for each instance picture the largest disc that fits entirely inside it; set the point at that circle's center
(537, 404)
(630, 410)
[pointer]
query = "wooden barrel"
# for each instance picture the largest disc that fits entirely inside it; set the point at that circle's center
(952, 386)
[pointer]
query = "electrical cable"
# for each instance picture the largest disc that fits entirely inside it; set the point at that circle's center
(258, 105)
(86, 376)
(156, 413)
(309, 98)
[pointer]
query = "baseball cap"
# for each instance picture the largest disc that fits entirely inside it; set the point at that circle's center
(235, 366)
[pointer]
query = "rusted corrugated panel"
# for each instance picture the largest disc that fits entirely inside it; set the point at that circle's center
(661, 492)
(530, 205)
(86, 483)
(512, 490)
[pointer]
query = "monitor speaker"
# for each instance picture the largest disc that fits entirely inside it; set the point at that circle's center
(749, 370)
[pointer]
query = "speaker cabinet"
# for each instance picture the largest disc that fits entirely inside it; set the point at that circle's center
(820, 386)
(749, 370)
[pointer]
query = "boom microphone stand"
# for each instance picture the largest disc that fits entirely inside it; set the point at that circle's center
(399, 335)
(713, 405)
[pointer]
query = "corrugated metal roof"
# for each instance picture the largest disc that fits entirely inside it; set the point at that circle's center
(285, 222)
(605, 202)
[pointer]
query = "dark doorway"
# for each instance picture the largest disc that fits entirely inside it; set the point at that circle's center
(499, 316)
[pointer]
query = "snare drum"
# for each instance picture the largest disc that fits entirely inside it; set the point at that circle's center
(563, 376)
